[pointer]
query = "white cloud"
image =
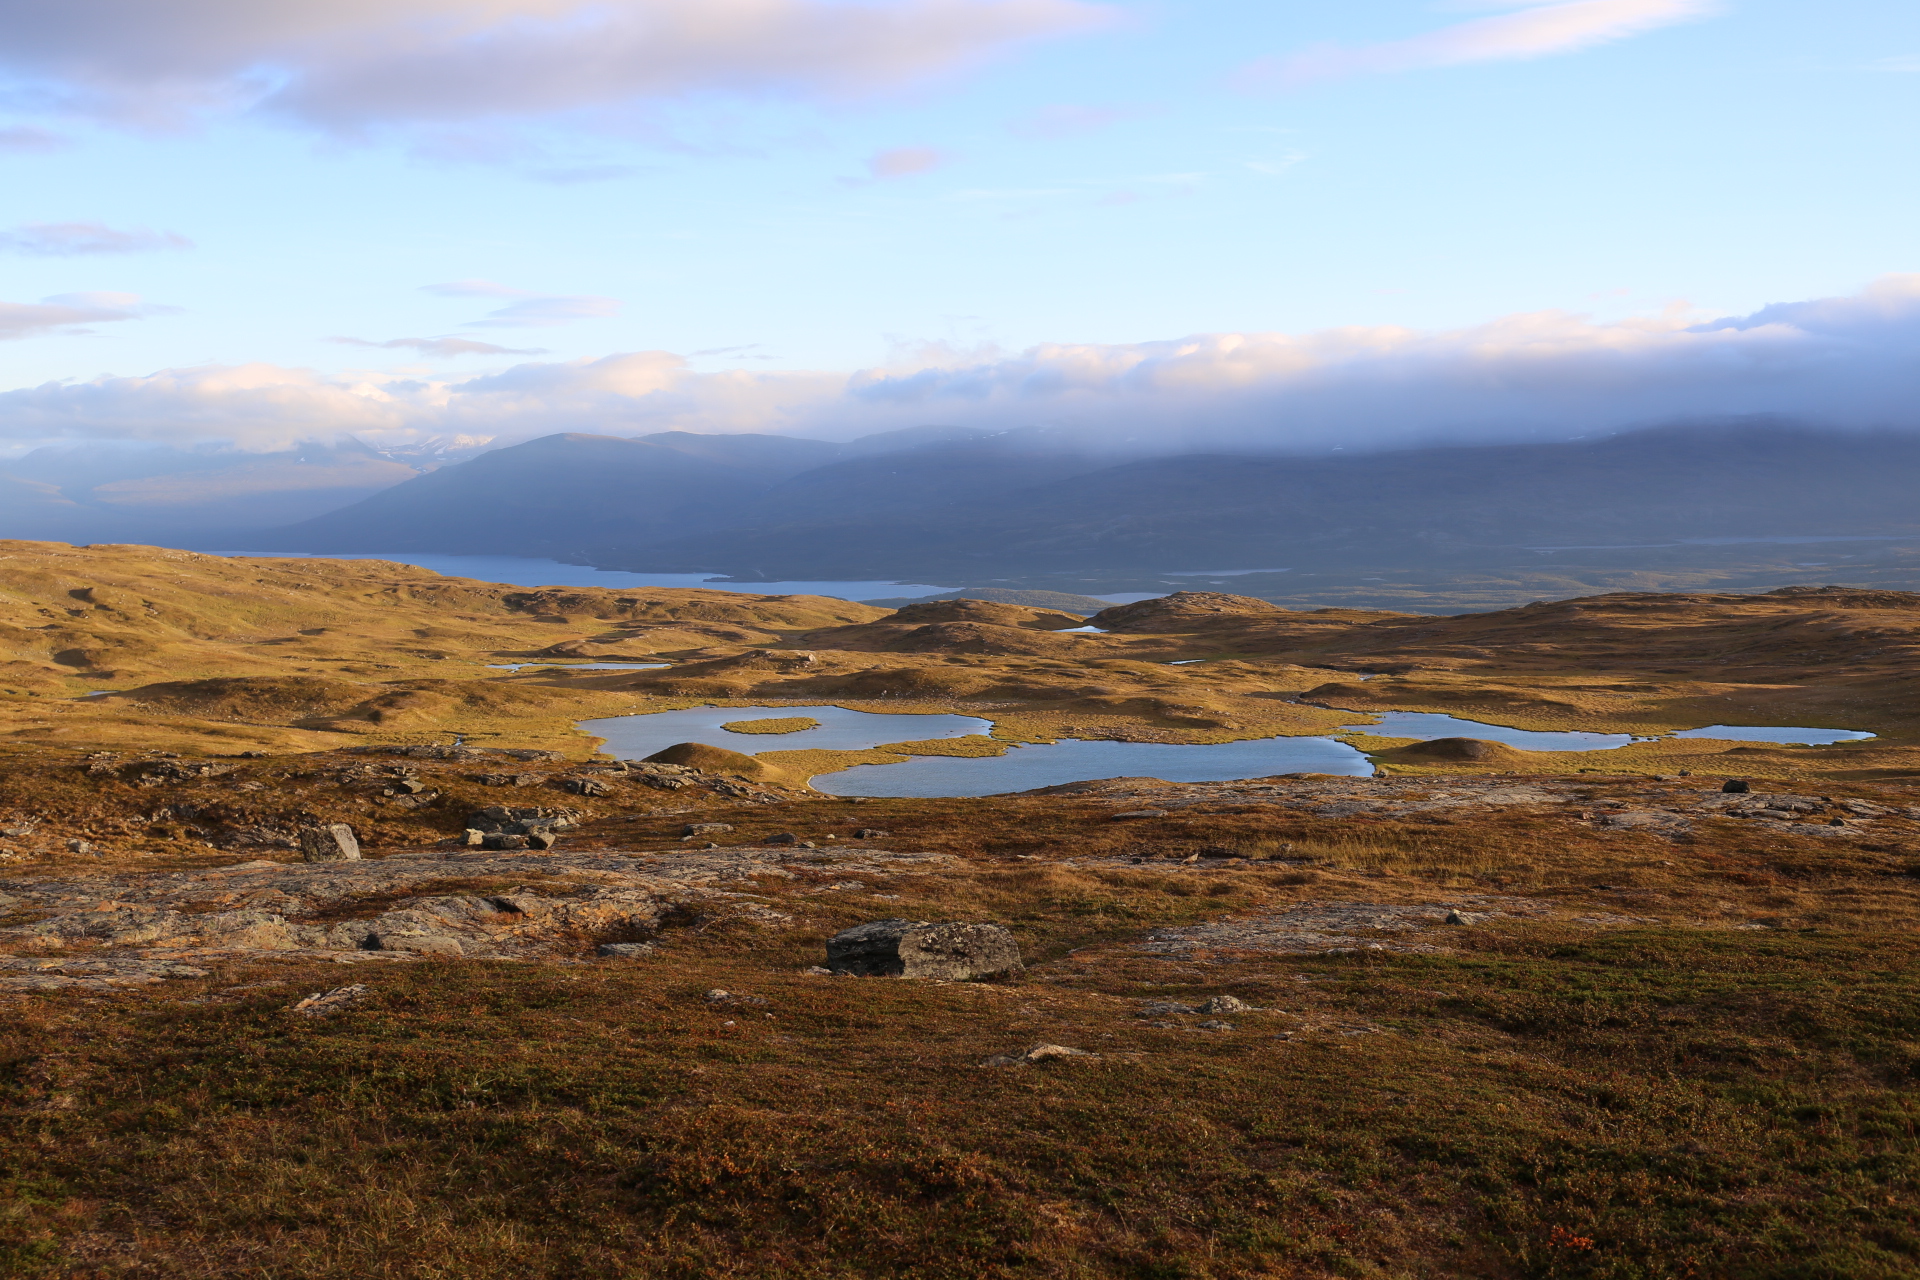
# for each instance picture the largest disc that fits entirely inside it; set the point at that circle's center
(443, 348)
(353, 67)
(901, 162)
(71, 239)
(1534, 32)
(1065, 120)
(1845, 362)
(530, 310)
(67, 312)
(28, 138)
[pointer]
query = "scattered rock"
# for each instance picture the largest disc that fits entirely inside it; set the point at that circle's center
(717, 996)
(705, 828)
(1039, 1053)
(322, 1004)
(626, 950)
(1162, 1008)
(1216, 1026)
(1469, 917)
(953, 951)
(587, 787)
(332, 843)
(784, 837)
(1226, 1004)
(79, 846)
(871, 833)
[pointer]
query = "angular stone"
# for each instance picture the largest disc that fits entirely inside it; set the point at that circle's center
(426, 944)
(1039, 1053)
(952, 950)
(322, 1004)
(332, 843)
(1226, 1004)
(1164, 1008)
(705, 828)
(626, 950)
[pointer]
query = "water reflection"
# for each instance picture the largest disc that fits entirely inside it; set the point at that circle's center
(1025, 768)
(633, 737)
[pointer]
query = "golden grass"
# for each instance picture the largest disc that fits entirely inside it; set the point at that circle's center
(785, 724)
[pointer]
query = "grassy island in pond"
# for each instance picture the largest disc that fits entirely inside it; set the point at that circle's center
(778, 724)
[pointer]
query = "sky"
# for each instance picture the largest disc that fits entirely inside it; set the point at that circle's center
(1283, 223)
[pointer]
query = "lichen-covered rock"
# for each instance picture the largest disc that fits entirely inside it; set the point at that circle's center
(333, 843)
(952, 950)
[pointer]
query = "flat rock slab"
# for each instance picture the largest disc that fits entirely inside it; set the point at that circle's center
(416, 906)
(1331, 927)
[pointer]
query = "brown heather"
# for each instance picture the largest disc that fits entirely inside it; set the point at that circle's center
(1691, 1054)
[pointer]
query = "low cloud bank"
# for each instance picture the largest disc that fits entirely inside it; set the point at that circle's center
(1841, 362)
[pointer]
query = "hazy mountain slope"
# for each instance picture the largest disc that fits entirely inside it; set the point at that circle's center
(769, 455)
(1415, 506)
(168, 494)
(550, 496)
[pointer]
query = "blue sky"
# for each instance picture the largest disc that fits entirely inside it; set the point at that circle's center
(778, 198)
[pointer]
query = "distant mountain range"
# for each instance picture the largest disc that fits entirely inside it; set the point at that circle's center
(78, 493)
(972, 506)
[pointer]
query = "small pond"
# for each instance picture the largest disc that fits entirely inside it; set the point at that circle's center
(635, 737)
(1069, 760)
(1427, 725)
(1766, 733)
(577, 666)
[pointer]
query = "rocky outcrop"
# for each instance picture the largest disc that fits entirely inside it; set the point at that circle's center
(951, 951)
(127, 930)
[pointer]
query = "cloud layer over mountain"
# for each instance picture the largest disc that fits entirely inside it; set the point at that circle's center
(1845, 362)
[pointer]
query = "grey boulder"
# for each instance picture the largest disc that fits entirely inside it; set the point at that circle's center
(333, 843)
(952, 950)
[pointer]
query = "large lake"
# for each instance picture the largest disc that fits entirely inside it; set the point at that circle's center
(518, 571)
